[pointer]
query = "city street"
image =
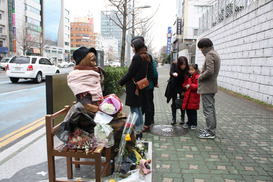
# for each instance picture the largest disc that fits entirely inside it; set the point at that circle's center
(241, 152)
(23, 107)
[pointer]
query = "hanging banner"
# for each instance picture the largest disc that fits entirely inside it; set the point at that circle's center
(179, 25)
(169, 37)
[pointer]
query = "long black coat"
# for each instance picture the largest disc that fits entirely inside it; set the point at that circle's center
(137, 69)
(174, 83)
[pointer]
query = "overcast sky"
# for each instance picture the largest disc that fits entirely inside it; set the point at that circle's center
(164, 17)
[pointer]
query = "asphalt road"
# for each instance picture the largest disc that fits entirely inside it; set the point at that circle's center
(22, 108)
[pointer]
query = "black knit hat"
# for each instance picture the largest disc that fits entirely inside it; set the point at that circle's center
(80, 53)
(137, 37)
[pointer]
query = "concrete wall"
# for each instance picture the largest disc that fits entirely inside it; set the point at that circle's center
(245, 45)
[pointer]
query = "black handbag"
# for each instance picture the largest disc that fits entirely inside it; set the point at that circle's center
(178, 103)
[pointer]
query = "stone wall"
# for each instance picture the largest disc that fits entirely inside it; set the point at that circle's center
(245, 45)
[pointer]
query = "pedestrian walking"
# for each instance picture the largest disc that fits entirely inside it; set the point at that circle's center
(137, 71)
(207, 86)
(148, 98)
(191, 97)
(174, 90)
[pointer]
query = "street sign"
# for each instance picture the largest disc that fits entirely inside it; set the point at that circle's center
(169, 40)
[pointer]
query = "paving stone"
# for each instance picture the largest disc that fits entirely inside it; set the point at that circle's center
(241, 151)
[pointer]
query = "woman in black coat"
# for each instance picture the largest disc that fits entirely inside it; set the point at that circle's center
(137, 71)
(178, 72)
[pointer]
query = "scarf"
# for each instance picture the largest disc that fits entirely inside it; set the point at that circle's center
(85, 81)
(143, 53)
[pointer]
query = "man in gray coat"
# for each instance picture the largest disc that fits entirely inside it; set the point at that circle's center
(207, 86)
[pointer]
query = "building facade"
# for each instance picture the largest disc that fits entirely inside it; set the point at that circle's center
(98, 41)
(110, 48)
(56, 23)
(109, 29)
(4, 31)
(186, 27)
(82, 33)
(25, 27)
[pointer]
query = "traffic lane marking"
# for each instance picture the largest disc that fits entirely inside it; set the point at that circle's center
(20, 129)
(21, 132)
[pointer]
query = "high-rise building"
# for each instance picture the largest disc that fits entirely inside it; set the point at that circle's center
(98, 41)
(82, 33)
(39, 27)
(56, 23)
(4, 36)
(25, 27)
(109, 29)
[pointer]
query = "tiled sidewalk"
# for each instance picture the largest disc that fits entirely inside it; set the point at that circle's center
(241, 151)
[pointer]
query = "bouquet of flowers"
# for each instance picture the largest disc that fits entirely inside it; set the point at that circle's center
(111, 104)
(108, 108)
(80, 139)
(141, 148)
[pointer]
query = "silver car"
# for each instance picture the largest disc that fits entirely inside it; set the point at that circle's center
(4, 62)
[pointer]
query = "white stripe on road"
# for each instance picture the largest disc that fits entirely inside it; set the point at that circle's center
(4, 82)
(6, 93)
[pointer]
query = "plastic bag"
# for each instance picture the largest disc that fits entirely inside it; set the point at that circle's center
(134, 177)
(104, 134)
(77, 117)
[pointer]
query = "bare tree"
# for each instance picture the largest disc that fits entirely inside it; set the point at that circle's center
(144, 29)
(25, 40)
(42, 44)
(121, 15)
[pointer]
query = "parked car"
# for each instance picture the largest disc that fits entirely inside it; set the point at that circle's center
(63, 64)
(71, 64)
(114, 64)
(33, 67)
(4, 62)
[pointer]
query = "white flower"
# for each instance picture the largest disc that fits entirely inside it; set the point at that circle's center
(108, 108)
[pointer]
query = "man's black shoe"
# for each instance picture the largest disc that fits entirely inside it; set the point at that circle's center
(173, 122)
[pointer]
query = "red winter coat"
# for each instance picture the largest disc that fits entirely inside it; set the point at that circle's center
(191, 97)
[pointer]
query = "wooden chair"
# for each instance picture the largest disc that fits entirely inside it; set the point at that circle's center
(94, 153)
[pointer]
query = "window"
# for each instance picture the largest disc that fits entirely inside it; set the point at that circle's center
(47, 51)
(33, 61)
(1, 30)
(54, 52)
(1, 43)
(66, 20)
(60, 52)
(66, 43)
(46, 61)
(0, 16)
(66, 12)
(42, 61)
(32, 9)
(195, 32)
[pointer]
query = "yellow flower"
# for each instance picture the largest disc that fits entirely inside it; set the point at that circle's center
(127, 137)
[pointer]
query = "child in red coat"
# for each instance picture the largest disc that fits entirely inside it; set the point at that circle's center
(191, 97)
